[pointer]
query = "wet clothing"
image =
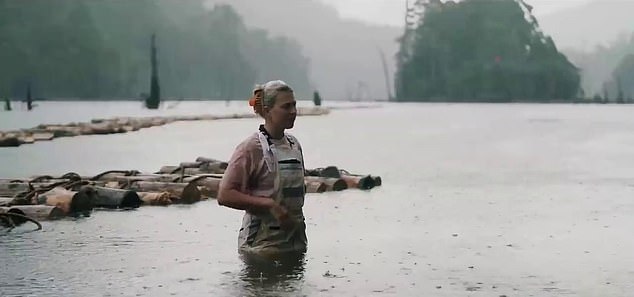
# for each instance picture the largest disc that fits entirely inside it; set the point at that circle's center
(266, 167)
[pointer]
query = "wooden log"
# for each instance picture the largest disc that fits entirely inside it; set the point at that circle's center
(111, 174)
(147, 177)
(5, 201)
(332, 184)
(214, 168)
(180, 192)
(8, 221)
(203, 171)
(155, 198)
(69, 202)
(42, 136)
(315, 186)
(116, 198)
(190, 164)
(330, 171)
(207, 184)
(359, 182)
(62, 130)
(208, 160)
(9, 141)
(377, 180)
(169, 169)
(26, 139)
(10, 189)
(39, 212)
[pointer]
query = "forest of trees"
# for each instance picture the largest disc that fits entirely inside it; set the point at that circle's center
(101, 49)
(481, 50)
(607, 71)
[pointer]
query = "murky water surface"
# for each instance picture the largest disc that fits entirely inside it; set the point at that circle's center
(477, 200)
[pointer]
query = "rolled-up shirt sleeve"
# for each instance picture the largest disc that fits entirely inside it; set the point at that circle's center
(239, 170)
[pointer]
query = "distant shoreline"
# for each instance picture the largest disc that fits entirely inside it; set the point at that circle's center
(579, 101)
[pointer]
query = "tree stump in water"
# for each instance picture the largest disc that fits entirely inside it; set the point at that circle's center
(116, 198)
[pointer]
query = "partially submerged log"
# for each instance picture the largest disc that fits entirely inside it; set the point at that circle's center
(359, 182)
(9, 141)
(332, 184)
(116, 198)
(186, 193)
(207, 184)
(201, 166)
(39, 212)
(10, 189)
(70, 202)
(315, 186)
(13, 217)
(155, 198)
(4, 201)
(354, 181)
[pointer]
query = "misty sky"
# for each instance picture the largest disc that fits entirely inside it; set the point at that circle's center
(391, 11)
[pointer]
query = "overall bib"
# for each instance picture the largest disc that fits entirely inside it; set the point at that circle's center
(262, 233)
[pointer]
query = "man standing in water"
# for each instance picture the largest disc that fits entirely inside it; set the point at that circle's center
(265, 178)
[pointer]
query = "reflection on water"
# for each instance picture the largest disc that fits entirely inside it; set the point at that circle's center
(273, 273)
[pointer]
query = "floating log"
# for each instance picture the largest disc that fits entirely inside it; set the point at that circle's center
(9, 141)
(364, 182)
(147, 177)
(207, 184)
(315, 186)
(10, 189)
(169, 169)
(69, 202)
(4, 201)
(42, 136)
(186, 193)
(377, 180)
(155, 198)
(330, 171)
(199, 171)
(332, 184)
(116, 198)
(38, 212)
(111, 174)
(208, 160)
(359, 182)
(201, 166)
(10, 221)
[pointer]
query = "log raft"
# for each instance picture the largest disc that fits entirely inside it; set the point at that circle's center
(47, 132)
(47, 197)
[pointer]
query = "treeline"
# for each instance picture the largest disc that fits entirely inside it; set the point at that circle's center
(608, 71)
(481, 50)
(101, 49)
